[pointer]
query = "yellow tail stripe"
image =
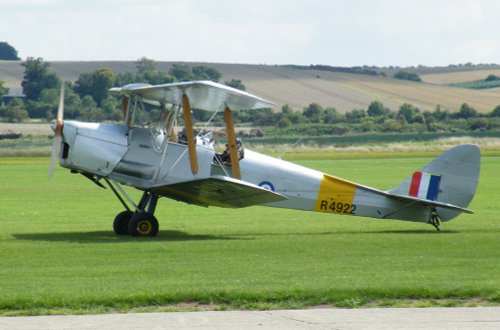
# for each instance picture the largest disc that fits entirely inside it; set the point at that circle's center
(335, 196)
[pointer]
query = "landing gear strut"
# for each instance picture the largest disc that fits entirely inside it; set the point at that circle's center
(434, 220)
(142, 222)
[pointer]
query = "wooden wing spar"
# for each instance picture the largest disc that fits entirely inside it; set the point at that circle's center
(203, 95)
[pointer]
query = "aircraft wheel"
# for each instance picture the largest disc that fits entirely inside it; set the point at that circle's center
(120, 225)
(143, 224)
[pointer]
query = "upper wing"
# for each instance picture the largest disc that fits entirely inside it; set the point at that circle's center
(203, 95)
(218, 191)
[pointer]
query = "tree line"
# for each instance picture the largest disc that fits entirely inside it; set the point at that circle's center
(88, 99)
(315, 120)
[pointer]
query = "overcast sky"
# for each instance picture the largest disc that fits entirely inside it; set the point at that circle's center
(331, 32)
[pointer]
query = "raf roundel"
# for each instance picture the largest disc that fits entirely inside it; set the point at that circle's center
(266, 185)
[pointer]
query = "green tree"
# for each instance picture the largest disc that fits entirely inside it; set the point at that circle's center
(295, 117)
(492, 77)
(439, 114)
(46, 104)
(466, 111)
(206, 73)
(155, 78)
(284, 122)
(496, 112)
(392, 125)
(146, 73)
(408, 112)
(96, 84)
(355, 115)
(145, 65)
(181, 72)
(419, 118)
(15, 112)
(331, 116)
(72, 104)
(111, 108)
(479, 124)
(313, 113)
(377, 109)
(126, 78)
(89, 111)
(7, 52)
(405, 75)
(3, 90)
(368, 124)
(286, 109)
(235, 83)
(37, 78)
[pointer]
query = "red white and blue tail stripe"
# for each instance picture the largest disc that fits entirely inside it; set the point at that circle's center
(425, 186)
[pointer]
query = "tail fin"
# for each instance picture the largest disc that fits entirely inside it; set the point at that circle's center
(451, 178)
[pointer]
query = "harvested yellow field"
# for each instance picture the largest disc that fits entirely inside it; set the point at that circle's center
(298, 88)
(457, 77)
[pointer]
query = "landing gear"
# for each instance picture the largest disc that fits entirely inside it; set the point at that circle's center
(434, 220)
(142, 222)
(122, 220)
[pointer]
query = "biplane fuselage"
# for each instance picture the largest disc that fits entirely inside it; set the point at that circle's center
(189, 169)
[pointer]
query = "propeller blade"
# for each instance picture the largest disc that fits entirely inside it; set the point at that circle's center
(57, 141)
(60, 113)
(56, 151)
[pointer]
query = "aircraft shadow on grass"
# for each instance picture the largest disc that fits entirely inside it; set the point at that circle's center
(110, 237)
(180, 236)
(327, 233)
(415, 232)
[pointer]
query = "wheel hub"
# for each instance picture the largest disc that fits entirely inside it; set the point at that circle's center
(144, 227)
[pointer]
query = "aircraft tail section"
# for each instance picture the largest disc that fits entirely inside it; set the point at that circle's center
(450, 179)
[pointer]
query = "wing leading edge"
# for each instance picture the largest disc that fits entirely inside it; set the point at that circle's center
(218, 191)
(203, 95)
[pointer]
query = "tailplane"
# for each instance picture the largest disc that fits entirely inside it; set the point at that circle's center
(450, 179)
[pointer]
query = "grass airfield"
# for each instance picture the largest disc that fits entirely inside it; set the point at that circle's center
(58, 253)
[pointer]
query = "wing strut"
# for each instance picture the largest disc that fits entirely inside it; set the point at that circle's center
(188, 123)
(125, 104)
(231, 143)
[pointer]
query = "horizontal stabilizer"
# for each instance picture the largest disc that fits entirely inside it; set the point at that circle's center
(430, 203)
(415, 201)
(218, 191)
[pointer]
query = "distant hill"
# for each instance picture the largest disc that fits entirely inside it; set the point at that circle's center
(298, 87)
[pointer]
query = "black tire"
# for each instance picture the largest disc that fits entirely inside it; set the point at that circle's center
(143, 224)
(120, 225)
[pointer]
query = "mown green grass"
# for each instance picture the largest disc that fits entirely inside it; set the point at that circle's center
(58, 253)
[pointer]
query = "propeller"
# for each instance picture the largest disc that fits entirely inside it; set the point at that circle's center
(57, 141)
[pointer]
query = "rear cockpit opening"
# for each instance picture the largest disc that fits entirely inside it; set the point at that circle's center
(224, 158)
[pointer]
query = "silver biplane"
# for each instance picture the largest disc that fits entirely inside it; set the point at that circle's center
(184, 165)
